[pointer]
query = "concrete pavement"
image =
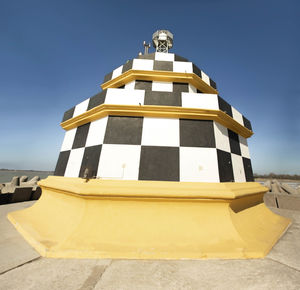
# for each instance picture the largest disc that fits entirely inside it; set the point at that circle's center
(22, 268)
(14, 251)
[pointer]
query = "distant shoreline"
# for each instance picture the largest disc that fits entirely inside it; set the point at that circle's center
(259, 179)
(27, 170)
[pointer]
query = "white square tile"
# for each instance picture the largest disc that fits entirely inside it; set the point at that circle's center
(182, 66)
(192, 89)
(221, 136)
(74, 162)
(68, 140)
(205, 77)
(142, 64)
(81, 108)
(160, 132)
(201, 101)
(117, 72)
(238, 168)
(237, 116)
(162, 86)
(119, 162)
(164, 56)
(124, 97)
(198, 164)
(96, 132)
(130, 86)
(244, 147)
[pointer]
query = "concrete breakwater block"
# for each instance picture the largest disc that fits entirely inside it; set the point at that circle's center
(19, 190)
(5, 198)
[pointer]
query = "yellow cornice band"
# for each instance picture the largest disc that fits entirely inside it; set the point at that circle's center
(101, 188)
(158, 112)
(163, 76)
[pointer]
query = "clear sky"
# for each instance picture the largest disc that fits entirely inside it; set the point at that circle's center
(54, 54)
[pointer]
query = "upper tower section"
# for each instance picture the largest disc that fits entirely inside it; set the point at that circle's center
(162, 40)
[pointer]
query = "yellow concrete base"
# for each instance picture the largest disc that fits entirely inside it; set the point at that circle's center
(149, 220)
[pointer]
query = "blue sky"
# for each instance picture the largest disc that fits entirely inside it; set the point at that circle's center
(54, 54)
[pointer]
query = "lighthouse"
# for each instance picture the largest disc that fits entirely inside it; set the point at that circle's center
(156, 165)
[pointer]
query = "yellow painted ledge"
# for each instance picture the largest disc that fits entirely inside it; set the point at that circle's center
(158, 75)
(158, 112)
(149, 220)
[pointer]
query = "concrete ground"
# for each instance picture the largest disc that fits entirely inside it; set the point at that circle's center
(21, 267)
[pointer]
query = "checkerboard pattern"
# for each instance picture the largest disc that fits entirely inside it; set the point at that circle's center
(160, 94)
(144, 148)
(160, 61)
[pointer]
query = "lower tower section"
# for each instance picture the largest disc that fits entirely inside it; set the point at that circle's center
(150, 148)
(149, 220)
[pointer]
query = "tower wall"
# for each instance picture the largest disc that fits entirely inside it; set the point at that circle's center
(149, 147)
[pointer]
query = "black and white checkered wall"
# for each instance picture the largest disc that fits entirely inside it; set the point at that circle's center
(144, 148)
(147, 148)
(161, 61)
(159, 94)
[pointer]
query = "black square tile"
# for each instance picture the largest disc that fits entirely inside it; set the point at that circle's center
(224, 106)
(162, 98)
(123, 130)
(90, 161)
(225, 166)
(127, 66)
(159, 163)
(180, 58)
(197, 71)
(81, 135)
(68, 114)
(247, 123)
(234, 142)
(143, 85)
(108, 77)
(248, 169)
(147, 56)
(180, 87)
(163, 65)
(62, 162)
(97, 100)
(197, 133)
(212, 83)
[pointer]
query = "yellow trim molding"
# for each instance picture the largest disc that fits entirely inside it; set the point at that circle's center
(98, 188)
(75, 218)
(159, 112)
(163, 76)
